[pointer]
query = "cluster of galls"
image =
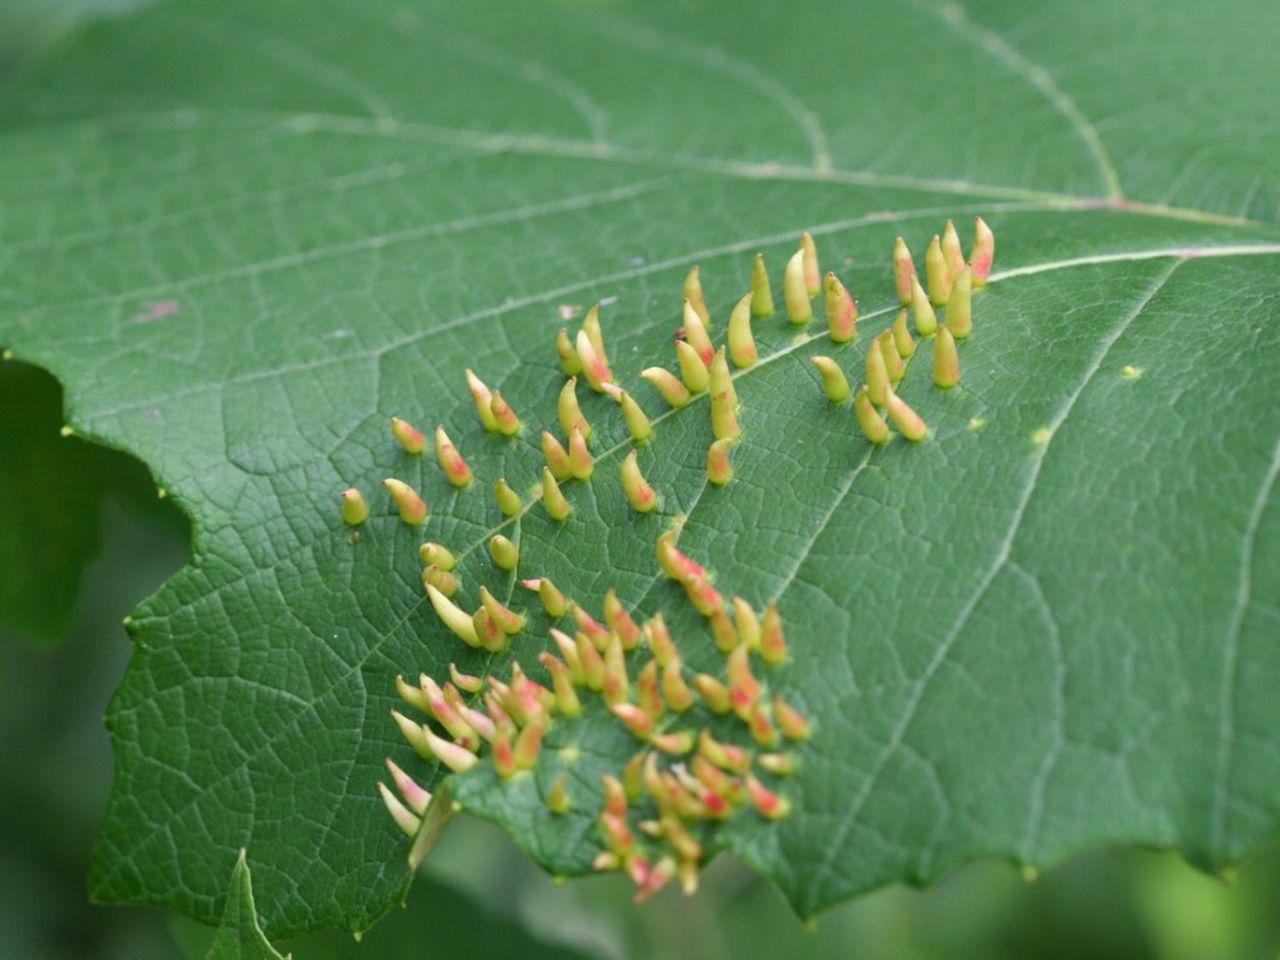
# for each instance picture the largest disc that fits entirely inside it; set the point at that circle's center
(678, 781)
(656, 807)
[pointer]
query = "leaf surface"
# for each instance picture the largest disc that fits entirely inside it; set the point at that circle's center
(245, 235)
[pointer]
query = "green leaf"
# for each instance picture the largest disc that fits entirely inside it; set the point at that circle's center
(245, 235)
(240, 937)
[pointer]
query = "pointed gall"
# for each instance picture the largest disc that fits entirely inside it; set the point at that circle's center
(926, 319)
(553, 498)
(723, 632)
(902, 336)
(812, 272)
(569, 652)
(946, 359)
(616, 687)
(719, 467)
(592, 663)
(951, 252)
(620, 622)
(482, 397)
(724, 419)
(491, 636)
(648, 690)
(504, 754)
(724, 755)
(767, 803)
(451, 462)
(636, 487)
(557, 457)
(412, 695)
(904, 271)
(872, 424)
(507, 619)
(416, 798)
(594, 368)
(403, 817)
(834, 382)
(570, 363)
(659, 641)
(842, 312)
(744, 688)
(695, 334)
(673, 391)
(761, 294)
(355, 510)
(558, 801)
(591, 327)
(508, 500)
(892, 359)
(877, 375)
(580, 463)
(457, 758)
(442, 580)
(791, 720)
(983, 253)
(779, 764)
(742, 343)
(634, 719)
(553, 600)
(412, 508)
(506, 419)
(773, 643)
(570, 412)
(715, 693)
(796, 295)
(615, 796)
(720, 379)
(637, 421)
(959, 318)
(618, 834)
(595, 631)
(761, 725)
(409, 436)
(677, 744)
(693, 295)
(503, 552)
(528, 744)
(676, 692)
(414, 733)
(437, 554)
(465, 681)
(674, 562)
(693, 371)
(905, 419)
(937, 277)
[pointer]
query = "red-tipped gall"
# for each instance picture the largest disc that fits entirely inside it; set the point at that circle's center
(812, 272)
(773, 642)
(904, 271)
(677, 693)
(842, 312)
(412, 508)
(408, 822)
(557, 457)
(952, 254)
(581, 466)
(715, 693)
(408, 435)
(719, 467)
(695, 334)
(620, 622)
(905, 419)
(465, 681)
(442, 580)
(673, 391)
(507, 619)
(635, 486)
(455, 468)
(506, 419)
(482, 398)
(634, 719)
(959, 317)
(791, 720)
(983, 253)
(767, 803)
(937, 276)
(594, 367)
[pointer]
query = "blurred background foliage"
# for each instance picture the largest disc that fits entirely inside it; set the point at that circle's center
(84, 537)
